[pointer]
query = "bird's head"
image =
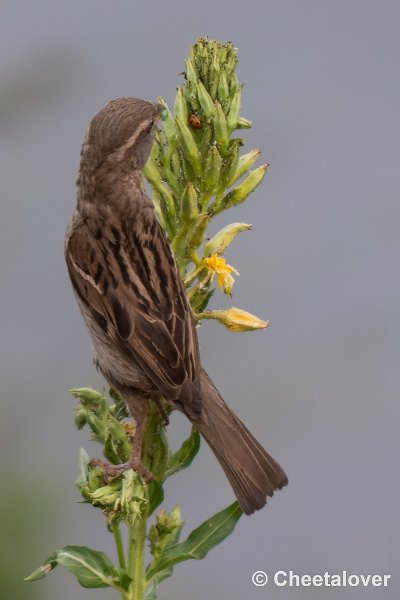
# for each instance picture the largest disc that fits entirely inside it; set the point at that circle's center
(120, 135)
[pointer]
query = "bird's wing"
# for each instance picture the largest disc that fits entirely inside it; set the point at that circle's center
(134, 292)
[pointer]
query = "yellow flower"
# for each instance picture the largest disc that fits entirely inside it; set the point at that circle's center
(217, 266)
(235, 319)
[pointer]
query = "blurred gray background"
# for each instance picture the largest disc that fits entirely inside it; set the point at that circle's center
(320, 387)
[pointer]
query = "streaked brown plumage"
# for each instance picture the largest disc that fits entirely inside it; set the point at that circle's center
(134, 303)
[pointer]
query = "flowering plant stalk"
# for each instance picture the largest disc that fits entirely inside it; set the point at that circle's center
(196, 171)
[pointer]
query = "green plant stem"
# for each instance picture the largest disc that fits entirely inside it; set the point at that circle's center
(136, 543)
(119, 544)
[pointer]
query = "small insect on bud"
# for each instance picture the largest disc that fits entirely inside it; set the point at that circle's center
(195, 122)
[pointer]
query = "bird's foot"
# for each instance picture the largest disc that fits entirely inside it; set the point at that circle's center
(111, 471)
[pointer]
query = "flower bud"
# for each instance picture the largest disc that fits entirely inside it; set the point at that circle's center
(191, 75)
(165, 531)
(190, 149)
(233, 115)
(221, 240)
(235, 319)
(180, 108)
(231, 163)
(243, 123)
(188, 203)
(223, 89)
(220, 129)
(245, 163)
(222, 52)
(153, 176)
(168, 123)
(240, 193)
(205, 100)
(213, 169)
(214, 76)
(106, 495)
(234, 84)
(91, 396)
(230, 63)
(199, 228)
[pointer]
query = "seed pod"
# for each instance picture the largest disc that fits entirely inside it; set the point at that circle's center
(240, 193)
(180, 108)
(220, 129)
(245, 163)
(205, 100)
(213, 169)
(190, 150)
(221, 240)
(233, 114)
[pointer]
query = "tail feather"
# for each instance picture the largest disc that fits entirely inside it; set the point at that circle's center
(251, 471)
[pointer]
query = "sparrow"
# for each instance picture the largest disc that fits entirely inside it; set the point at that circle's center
(135, 306)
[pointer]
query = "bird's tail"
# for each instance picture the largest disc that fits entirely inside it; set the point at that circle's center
(252, 472)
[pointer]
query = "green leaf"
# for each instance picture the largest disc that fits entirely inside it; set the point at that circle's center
(156, 495)
(185, 455)
(208, 535)
(151, 593)
(93, 569)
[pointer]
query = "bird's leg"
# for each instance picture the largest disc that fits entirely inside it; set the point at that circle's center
(158, 400)
(137, 406)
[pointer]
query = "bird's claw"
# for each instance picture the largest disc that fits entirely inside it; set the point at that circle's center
(111, 471)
